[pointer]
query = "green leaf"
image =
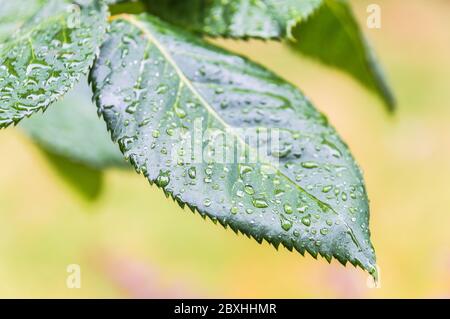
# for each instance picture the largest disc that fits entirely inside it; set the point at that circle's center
(163, 92)
(47, 56)
(266, 19)
(72, 129)
(323, 29)
(85, 180)
(14, 13)
(333, 36)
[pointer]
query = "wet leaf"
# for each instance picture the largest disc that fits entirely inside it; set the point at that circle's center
(47, 56)
(266, 19)
(179, 107)
(323, 29)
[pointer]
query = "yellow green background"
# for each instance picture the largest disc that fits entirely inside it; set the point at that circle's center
(133, 242)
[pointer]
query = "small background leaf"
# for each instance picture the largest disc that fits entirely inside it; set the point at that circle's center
(73, 130)
(86, 180)
(332, 35)
(75, 141)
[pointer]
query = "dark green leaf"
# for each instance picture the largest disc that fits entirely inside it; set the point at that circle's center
(266, 19)
(47, 56)
(72, 129)
(323, 29)
(160, 90)
(86, 180)
(333, 36)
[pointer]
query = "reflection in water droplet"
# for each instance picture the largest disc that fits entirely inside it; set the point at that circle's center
(286, 224)
(207, 202)
(192, 172)
(260, 203)
(310, 164)
(163, 179)
(306, 221)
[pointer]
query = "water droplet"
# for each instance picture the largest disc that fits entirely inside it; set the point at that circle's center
(309, 165)
(302, 209)
(260, 203)
(249, 189)
(207, 202)
(324, 231)
(234, 210)
(192, 172)
(326, 189)
(163, 179)
(286, 224)
(287, 209)
(180, 112)
(244, 169)
(306, 221)
(156, 133)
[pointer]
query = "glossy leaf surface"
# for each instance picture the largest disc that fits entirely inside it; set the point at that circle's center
(165, 93)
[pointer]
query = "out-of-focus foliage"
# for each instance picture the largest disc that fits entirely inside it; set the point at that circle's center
(323, 29)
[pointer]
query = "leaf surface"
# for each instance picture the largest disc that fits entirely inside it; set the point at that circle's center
(47, 56)
(266, 19)
(178, 107)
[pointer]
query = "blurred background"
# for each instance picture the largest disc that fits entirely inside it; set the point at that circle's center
(130, 241)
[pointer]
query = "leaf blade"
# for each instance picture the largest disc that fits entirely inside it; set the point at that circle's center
(47, 56)
(265, 19)
(332, 36)
(151, 79)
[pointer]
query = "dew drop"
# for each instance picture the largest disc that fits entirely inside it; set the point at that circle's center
(163, 180)
(287, 209)
(249, 189)
(306, 221)
(207, 202)
(286, 224)
(260, 203)
(310, 165)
